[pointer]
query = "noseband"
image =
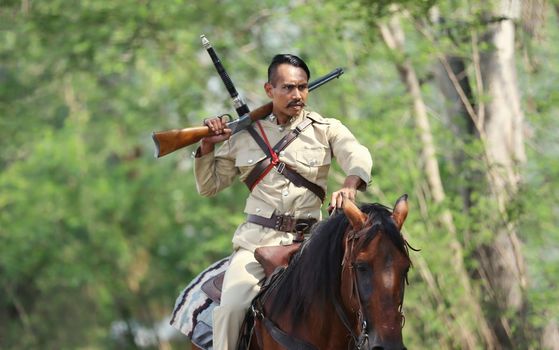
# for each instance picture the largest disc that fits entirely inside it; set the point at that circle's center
(359, 287)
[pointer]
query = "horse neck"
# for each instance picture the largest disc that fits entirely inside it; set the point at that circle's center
(330, 323)
(307, 283)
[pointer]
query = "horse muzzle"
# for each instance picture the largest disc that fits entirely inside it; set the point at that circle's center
(376, 343)
(387, 347)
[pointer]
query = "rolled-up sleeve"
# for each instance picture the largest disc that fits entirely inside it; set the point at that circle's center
(353, 157)
(214, 171)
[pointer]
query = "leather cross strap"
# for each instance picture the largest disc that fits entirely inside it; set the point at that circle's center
(264, 165)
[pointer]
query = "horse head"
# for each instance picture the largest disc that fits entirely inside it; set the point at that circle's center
(374, 275)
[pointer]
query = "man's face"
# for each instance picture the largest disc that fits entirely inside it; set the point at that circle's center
(288, 91)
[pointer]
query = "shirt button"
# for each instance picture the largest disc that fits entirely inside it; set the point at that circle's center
(309, 215)
(258, 210)
(285, 192)
(282, 153)
(281, 128)
(250, 161)
(312, 162)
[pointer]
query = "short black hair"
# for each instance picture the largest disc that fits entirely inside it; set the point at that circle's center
(288, 59)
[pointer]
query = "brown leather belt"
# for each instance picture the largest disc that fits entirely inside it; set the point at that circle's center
(284, 223)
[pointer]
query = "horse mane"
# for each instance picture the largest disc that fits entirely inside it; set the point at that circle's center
(313, 276)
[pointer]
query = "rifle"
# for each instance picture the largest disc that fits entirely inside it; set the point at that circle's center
(171, 140)
(240, 105)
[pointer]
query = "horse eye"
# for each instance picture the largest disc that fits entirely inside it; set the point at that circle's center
(361, 266)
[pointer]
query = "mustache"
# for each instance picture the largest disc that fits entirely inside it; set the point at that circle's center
(296, 103)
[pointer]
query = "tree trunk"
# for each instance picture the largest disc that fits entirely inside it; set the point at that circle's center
(456, 117)
(393, 36)
(550, 338)
(502, 127)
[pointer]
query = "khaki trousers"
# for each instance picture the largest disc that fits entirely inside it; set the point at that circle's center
(240, 286)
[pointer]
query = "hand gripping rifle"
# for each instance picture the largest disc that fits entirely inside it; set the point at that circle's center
(171, 140)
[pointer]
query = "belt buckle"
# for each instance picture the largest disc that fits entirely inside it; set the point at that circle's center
(285, 223)
(280, 167)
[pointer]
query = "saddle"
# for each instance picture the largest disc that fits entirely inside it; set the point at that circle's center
(193, 310)
(271, 258)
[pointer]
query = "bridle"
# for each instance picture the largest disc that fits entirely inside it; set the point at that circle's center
(359, 287)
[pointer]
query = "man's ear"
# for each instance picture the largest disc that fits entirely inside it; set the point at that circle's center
(268, 87)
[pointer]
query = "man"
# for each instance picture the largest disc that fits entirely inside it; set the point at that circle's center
(291, 186)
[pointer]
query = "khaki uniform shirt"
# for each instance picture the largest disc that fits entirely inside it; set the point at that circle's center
(310, 154)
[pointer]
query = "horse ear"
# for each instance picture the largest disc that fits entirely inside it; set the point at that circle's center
(355, 216)
(400, 211)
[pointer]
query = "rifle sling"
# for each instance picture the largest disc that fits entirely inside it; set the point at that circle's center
(261, 167)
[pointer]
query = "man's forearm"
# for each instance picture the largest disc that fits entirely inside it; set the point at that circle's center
(206, 147)
(353, 181)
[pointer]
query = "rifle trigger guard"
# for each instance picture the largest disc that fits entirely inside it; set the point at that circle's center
(220, 118)
(229, 118)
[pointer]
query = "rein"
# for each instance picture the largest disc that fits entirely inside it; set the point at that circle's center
(362, 337)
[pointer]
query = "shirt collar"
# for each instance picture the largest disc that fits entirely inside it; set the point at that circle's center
(294, 121)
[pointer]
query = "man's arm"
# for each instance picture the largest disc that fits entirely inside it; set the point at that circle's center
(354, 159)
(214, 172)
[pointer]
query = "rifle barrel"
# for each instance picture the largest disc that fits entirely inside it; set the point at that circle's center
(326, 78)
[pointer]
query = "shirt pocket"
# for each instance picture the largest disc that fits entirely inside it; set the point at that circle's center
(258, 207)
(311, 160)
(247, 159)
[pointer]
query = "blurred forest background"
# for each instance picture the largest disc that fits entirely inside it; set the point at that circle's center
(457, 101)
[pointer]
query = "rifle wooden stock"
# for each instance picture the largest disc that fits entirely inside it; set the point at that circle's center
(171, 140)
(261, 112)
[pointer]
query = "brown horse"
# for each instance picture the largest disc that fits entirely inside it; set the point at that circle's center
(344, 289)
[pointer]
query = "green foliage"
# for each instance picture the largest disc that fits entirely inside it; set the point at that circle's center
(539, 195)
